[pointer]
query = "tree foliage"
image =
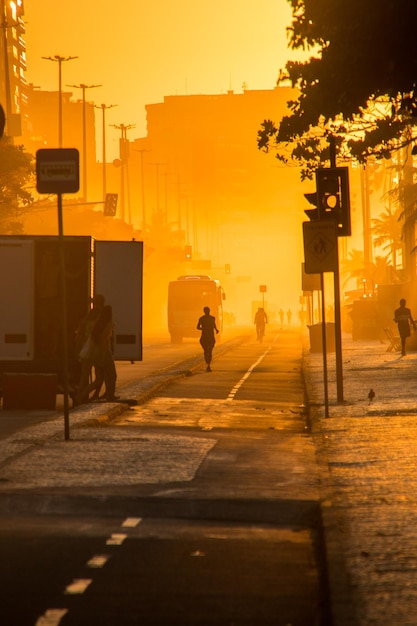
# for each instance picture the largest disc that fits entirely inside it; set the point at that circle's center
(16, 179)
(359, 85)
(387, 231)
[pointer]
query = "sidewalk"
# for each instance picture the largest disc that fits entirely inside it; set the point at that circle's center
(368, 462)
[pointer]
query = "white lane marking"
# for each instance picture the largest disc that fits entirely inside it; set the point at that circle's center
(97, 561)
(116, 539)
(78, 586)
(249, 372)
(131, 522)
(51, 617)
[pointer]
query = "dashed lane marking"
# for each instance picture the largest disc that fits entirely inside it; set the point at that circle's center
(131, 522)
(97, 561)
(78, 586)
(116, 539)
(51, 617)
(236, 388)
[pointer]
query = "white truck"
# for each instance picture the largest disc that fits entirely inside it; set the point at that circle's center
(31, 304)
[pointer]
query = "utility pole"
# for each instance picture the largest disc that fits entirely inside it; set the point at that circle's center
(103, 108)
(83, 88)
(337, 316)
(142, 182)
(124, 159)
(58, 59)
(157, 165)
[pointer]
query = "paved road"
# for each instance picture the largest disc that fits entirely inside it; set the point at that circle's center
(202, 504)
(162, 361)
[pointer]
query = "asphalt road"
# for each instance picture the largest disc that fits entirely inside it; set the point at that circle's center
(231, 539)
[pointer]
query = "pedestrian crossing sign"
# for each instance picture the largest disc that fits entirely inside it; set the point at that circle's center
(320, 246)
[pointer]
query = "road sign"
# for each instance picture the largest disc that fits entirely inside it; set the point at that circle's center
(320, 247)
(262, 288)
(57, 170)
(110, 204)
(309, 282)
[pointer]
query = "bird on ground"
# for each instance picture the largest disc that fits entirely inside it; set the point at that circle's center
(371, 395)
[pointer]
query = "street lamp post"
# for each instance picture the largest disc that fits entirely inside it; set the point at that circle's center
(84, 87)
(124, 159)
(142, 181)
(157, 165)
(58, 59)
(103, 108)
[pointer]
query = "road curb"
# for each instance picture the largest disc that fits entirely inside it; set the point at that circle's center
(300, 514)
(337, 582)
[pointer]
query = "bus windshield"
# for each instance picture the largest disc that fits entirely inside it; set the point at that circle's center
(187, 296)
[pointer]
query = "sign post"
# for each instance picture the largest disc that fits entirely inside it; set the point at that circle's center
(57, 171)
(321, 255)
(262, 289)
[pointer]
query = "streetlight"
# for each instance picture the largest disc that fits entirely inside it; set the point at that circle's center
(157, 165)
(58, 59)
(142, 180)
(84, 87)
(103, 108)
(124, 162)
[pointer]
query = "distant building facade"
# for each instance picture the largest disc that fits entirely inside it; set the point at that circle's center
(199, 173)
(202, 168)
(42, 128)
(13, 88)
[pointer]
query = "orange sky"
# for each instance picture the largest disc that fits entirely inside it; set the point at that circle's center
(141, 52)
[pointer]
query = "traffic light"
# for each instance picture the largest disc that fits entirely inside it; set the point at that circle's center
(333, 197)
(188, 253)
(312, 214)
(110, 204)
(227, 268)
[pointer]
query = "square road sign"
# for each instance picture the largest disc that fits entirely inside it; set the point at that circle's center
(320, 246)
(57, 170)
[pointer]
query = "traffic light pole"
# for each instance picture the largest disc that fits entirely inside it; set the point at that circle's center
(324, 347)
(337, 316)
(338, 333)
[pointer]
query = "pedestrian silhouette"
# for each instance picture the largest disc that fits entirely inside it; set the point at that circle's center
(207, 325)
(102, 336)
(84, 347)
(260, 320)
(403, 318)
(371, 395)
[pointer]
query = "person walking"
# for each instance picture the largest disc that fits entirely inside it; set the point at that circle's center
(84, 347)
(102, 358)
(403, 318)
(207, 325)
(102, 336)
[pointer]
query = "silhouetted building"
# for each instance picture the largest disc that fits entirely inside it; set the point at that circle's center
(43, 126)
(202, 167)
(205, 178)
(13, 93)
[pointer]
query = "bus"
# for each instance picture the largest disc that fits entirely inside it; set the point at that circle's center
(187, 296)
